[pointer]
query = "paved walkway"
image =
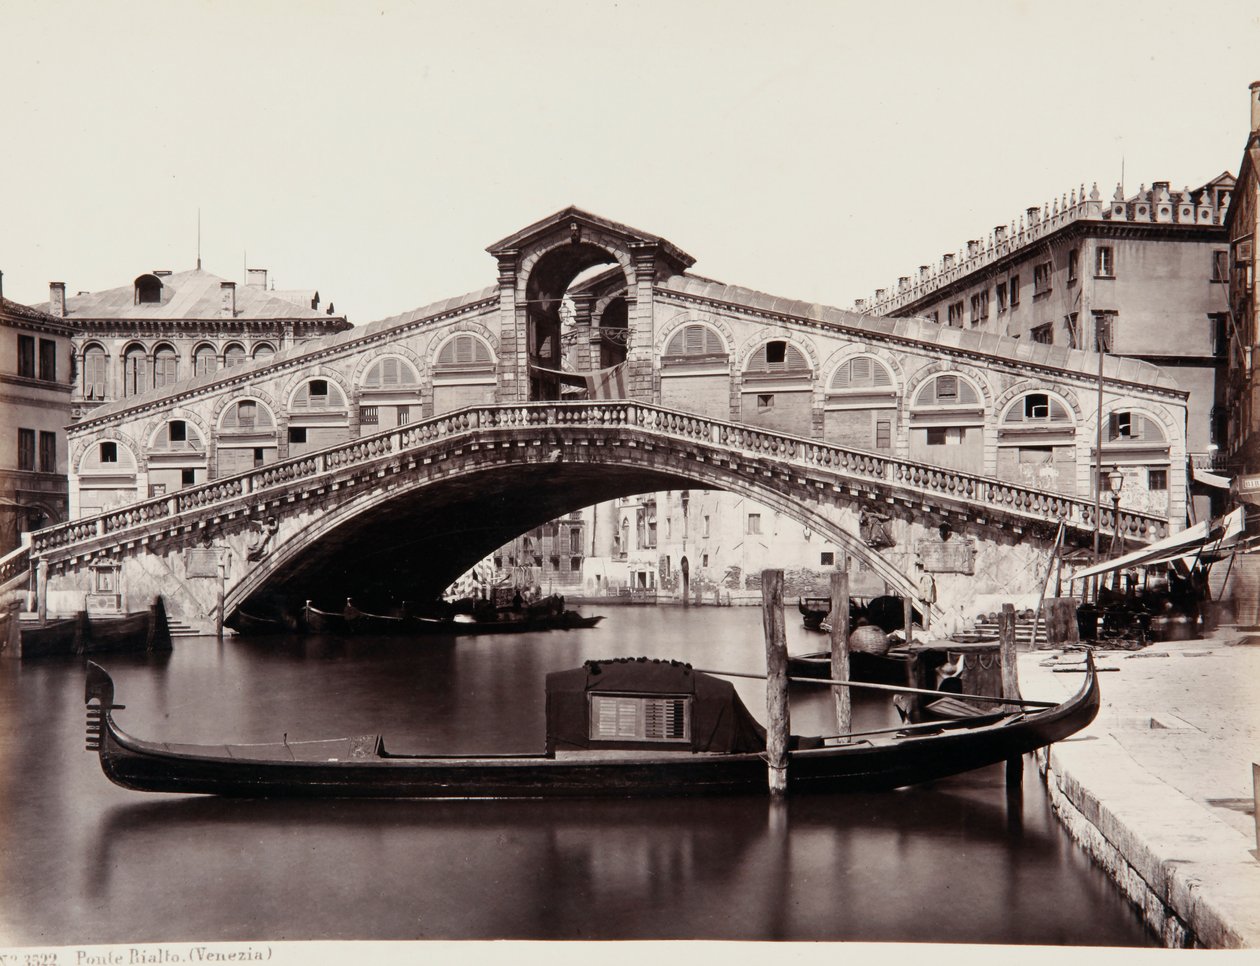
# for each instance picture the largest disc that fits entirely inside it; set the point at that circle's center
(1159, 788)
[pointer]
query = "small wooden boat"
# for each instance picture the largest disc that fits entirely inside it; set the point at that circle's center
(889, 668)
(317, 621)
(614, 728)
(248, 624)
(502, 622)
(143, 631)
(814, 611)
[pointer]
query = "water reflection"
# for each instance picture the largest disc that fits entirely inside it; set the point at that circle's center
(86, 861)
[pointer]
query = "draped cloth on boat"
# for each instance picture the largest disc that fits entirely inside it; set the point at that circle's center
(607, 383)
(719, 720)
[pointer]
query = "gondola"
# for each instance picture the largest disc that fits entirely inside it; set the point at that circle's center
(144, 631)
(623, 727)
(891, 667)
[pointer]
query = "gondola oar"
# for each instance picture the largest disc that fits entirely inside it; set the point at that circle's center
(1022, 702)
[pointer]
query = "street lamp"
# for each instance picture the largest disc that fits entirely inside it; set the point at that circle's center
(1115, 481)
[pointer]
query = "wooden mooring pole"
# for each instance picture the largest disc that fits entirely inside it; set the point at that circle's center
(1010, 680)
(778, 723)
(840, 651)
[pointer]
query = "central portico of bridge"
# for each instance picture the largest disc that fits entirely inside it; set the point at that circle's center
(402, 451)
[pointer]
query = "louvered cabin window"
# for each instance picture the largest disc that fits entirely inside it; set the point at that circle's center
(617, 717)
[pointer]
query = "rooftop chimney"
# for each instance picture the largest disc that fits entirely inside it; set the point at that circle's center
(161, 272)
(1034, 216)
(999, 233)
(57, 299)
(256, 277)
(227, 292)
(948, 259)
(973, 247)
(1255, 107)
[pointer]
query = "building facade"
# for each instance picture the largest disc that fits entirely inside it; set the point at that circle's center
(1242, 387)
(35, 370)
(1143, 276)
(167, 327)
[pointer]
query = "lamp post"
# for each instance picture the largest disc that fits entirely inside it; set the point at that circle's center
(1115, 481)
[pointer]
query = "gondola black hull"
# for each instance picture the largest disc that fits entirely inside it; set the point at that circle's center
(361, 767)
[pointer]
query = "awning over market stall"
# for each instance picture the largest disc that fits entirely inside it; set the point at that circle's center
(1202, 541)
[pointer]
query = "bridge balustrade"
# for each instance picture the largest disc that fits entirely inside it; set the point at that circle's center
(923, 479)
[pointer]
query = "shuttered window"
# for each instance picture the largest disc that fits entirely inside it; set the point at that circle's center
(948, 390)
(695, 340)
(779, 357)
(617, 717)
(464, 350)
(863, 372)
(319, 394)
(388, 373)
(95, 367)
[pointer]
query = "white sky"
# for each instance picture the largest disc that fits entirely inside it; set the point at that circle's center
(815, 150)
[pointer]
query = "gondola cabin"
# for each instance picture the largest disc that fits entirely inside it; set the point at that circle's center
(631, 704)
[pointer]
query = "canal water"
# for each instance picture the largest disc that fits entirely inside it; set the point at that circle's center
(84, 861)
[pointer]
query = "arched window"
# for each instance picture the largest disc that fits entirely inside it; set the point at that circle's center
(165, 366)
(247, 416)
(233, 355)
(389, 373)
(861, 373)
(464, 350)
(135, 371)
(264, 350)
(695, 340)
(107, 456)
(95, 372)
(948, 389)
(318, 394)
(205, 360)
(1037, 409)
(778, 357)
(177, 436)
(1129, 427)
(148, 289)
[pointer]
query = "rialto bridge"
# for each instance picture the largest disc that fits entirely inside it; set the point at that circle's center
(392, 456)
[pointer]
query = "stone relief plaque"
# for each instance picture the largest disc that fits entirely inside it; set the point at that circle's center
(202, 562)
(953, 555)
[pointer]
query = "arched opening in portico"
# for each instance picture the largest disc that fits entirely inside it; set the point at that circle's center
(553, 291)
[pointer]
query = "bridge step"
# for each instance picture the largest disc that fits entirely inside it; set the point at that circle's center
(1023, 631)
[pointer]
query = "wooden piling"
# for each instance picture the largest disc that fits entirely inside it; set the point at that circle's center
(909, 618)
(778, 724)
(1010, 680)
(41, 590)
(840, 651)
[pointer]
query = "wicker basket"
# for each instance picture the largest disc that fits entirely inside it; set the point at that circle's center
(869, 639)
